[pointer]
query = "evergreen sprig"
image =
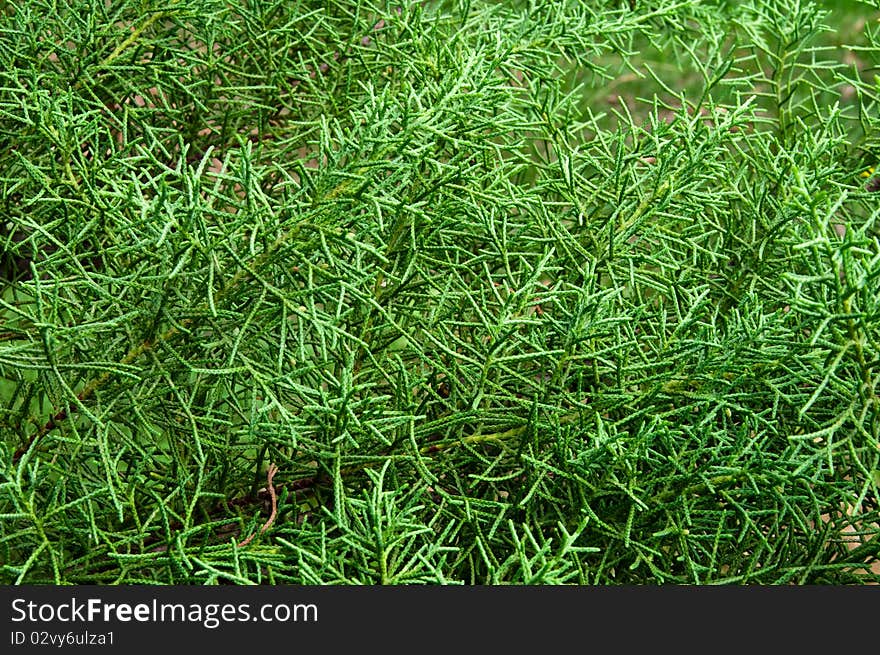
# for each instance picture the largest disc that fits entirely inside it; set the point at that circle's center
(439, 292)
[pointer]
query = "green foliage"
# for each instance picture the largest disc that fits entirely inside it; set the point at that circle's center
(510, 292)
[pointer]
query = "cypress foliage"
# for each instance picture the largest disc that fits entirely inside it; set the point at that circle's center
(439, 292)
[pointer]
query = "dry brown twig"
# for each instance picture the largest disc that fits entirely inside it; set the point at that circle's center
(274, 499)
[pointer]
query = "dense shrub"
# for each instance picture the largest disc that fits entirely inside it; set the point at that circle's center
(473, 292)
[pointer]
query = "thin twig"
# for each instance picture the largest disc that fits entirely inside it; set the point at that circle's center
(269, 475)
